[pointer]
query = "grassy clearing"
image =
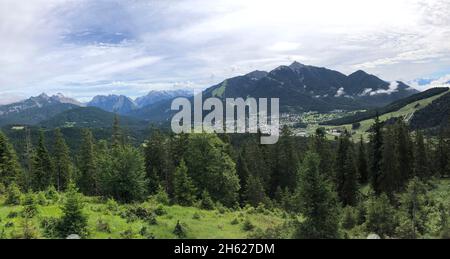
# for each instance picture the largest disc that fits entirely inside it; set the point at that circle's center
(198, 223)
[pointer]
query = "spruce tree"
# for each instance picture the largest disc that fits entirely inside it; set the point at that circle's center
(63, 163)
(243, 174)
(318, 203)
(376, 143)
(157, 163)
(254, 191)
(404, 154)
(184, 189)
(42, 174)
(363, 171)
(346, 172)
(89, 178)
(381, 217)
(421, 167)
(74, 220)
(322, 147)
(126, 179)
(117, 138)
(10, 171)
(390, 179)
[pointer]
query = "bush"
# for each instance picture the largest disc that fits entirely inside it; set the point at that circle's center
(50, 227)
(152, 220)
(12, 215)
(145, 233)
(138, 212)
(13, 195)
(235, 221)
(161, 196)
(2, 189)
(349, 218)
(112, 206)
(160, 210)
(196, 216)
(180, 230)
(41, 199)
(52, 195)
(103, 226)
(248, 225)
(206, 202)
(30, 207)
(127, 234)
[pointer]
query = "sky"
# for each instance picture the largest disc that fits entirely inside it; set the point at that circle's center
(82, 48)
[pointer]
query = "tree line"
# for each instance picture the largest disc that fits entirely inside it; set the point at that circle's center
(315, 177)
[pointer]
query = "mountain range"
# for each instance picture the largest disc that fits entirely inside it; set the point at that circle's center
(299, 87)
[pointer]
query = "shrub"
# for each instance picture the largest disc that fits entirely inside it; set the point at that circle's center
(349, 218)
(248, 225)
(206, 202)
(235, 221)
(138, 212)
(145, 233)
(196, 216)
(52, 195)
(127, 234)
(112, 206)
(161, 196)
(2, 189)
(41, 199)
(12, 214)
(50, 227)
(152, 220)
(160, 210)
(13, 195)
(103, 226)
(30, 207)
(180, 230)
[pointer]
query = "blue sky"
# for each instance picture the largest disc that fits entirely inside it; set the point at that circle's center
(82, 48)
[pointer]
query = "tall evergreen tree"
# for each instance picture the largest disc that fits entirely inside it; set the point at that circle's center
(321, 146)
(318, 203)
(117, 135)
(404, 152)
(376, 143)
(63, 163)
(421, 167)
(157, 163)
(243, 174)
(363, 170)
(89, 178)
(254, 191)
(125, 175)
(443, 153)
(211, 168)
(10, 171)
(284, 174)
(42, 175)
(184, 189)
(74, 220)
(389, 179)
(346, 172)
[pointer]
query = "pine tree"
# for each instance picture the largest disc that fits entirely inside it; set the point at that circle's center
(125, 178)
(284, 172)
(322, 147)
(363, 171)
(381, 218)
(157, 164)
(243, 174)
(376, 142)
(346, 172)
(421, 157)
(73, 221)
(10, 171)
(184, 189)
(254, 191)
(389, 180)
(63, 164)
(42, 174)
(89, 178)
(412, 213)
(212, 169)
(117, 136)
(318, 203)
(404, 154)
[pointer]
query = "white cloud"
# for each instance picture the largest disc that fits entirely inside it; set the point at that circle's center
(83, 46)
(339, 92)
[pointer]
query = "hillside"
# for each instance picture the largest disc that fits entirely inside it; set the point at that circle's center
(88, 117)
(395, 106)
(436, 114)
(406, 113)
